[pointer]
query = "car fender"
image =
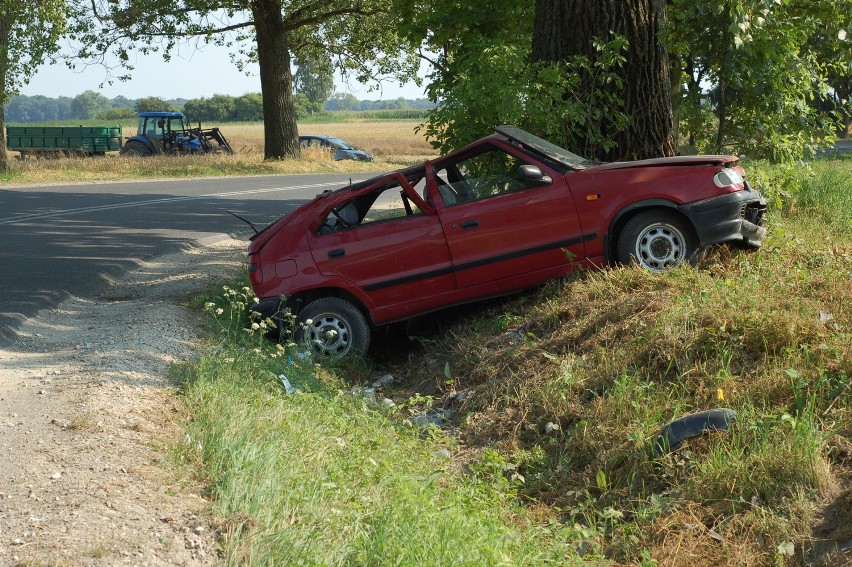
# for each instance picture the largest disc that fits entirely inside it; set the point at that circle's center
(331, 287)
(623, 215)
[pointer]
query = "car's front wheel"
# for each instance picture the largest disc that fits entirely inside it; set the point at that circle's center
(332, 327)
(658, 241)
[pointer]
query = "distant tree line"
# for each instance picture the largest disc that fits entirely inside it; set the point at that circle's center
(88, 105)
(347, 101)
(91, 105)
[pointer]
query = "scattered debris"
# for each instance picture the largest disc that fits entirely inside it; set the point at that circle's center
(671, 436)
(384, 381)
(288, 387)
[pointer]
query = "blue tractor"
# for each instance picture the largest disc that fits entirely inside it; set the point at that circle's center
(169, 133)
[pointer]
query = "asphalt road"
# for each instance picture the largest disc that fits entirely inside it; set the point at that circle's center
(72, 239)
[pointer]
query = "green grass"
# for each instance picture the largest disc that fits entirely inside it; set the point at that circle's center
(325, 477)
(566, 388)
(613, 355)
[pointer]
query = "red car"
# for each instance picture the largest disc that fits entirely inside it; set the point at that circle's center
(507, 212)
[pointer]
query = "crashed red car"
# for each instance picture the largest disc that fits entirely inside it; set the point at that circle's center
(507, 212)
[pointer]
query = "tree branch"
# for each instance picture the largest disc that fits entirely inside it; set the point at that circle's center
(296, 23)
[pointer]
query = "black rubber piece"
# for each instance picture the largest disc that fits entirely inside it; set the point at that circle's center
(672, 436)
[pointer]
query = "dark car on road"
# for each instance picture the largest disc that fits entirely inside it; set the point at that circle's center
(340, 148)
(505, 213)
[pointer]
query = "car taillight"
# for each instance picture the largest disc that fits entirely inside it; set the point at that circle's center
(255, 273)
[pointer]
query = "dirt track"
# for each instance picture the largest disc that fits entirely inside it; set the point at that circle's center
(86, 416)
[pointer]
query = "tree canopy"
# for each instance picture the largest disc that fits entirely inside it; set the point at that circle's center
(357, 36)
(29, 32)
(764, 78)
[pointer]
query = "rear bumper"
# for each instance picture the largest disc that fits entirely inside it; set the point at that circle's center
(268, 308)
(735, 217)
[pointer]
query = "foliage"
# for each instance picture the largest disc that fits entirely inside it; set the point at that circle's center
(154, 104)
(314, 79)
(546, 100)
(29, 32)
(88, 104)
(832, 46)
(763, 81)
(225, 108)
(117, 114)
(341, 101)
(244, 108)
(38, 108)
(466, 44)
(357, 36)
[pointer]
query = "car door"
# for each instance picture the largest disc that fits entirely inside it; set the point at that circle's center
(389, 243)
(500, 224)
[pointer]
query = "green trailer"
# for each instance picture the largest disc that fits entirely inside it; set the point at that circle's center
(50, 141)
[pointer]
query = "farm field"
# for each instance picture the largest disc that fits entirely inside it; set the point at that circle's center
(393, 143)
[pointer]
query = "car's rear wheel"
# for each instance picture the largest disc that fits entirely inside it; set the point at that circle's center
(657, 240)
(332, 327)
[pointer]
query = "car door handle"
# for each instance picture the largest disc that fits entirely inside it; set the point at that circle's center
(335, 254)
(469, 224)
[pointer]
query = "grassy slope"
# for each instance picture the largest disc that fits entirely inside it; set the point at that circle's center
(564, 390)
(613, 355)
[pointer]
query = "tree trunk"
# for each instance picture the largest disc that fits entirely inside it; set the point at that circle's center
(565, 28)
(280, 132)
(720, 113)
(4, 66)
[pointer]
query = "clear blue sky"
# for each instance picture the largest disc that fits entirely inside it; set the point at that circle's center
(189, 75)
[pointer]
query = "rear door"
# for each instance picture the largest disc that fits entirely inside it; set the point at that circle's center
(499, 225)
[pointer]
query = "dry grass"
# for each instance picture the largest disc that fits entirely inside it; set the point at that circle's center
(390, 142)
(394, 144)
(611, 356)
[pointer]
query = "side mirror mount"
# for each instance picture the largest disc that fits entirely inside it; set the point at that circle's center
(532, 174)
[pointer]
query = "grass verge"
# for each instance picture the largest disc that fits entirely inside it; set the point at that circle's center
(556, 398)
(327, 476)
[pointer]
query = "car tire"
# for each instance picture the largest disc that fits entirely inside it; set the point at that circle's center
(657, 240)
(332, 327)
(135, 148)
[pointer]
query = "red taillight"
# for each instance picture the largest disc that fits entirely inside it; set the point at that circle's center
(254, 271)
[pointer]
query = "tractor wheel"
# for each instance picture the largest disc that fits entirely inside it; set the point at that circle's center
(135, 148)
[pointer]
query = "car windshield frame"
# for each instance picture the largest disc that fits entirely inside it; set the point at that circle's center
(339, 144)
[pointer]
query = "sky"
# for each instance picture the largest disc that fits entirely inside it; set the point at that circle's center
(198, 74)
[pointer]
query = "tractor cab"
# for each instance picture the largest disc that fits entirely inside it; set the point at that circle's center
(160, 125)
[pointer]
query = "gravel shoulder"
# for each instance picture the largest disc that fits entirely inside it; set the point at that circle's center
(87, 414)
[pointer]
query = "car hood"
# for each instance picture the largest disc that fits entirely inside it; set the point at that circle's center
(668, 161)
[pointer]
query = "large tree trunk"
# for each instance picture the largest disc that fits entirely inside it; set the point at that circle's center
(4, 65)
(281, 135)
(565, 28)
